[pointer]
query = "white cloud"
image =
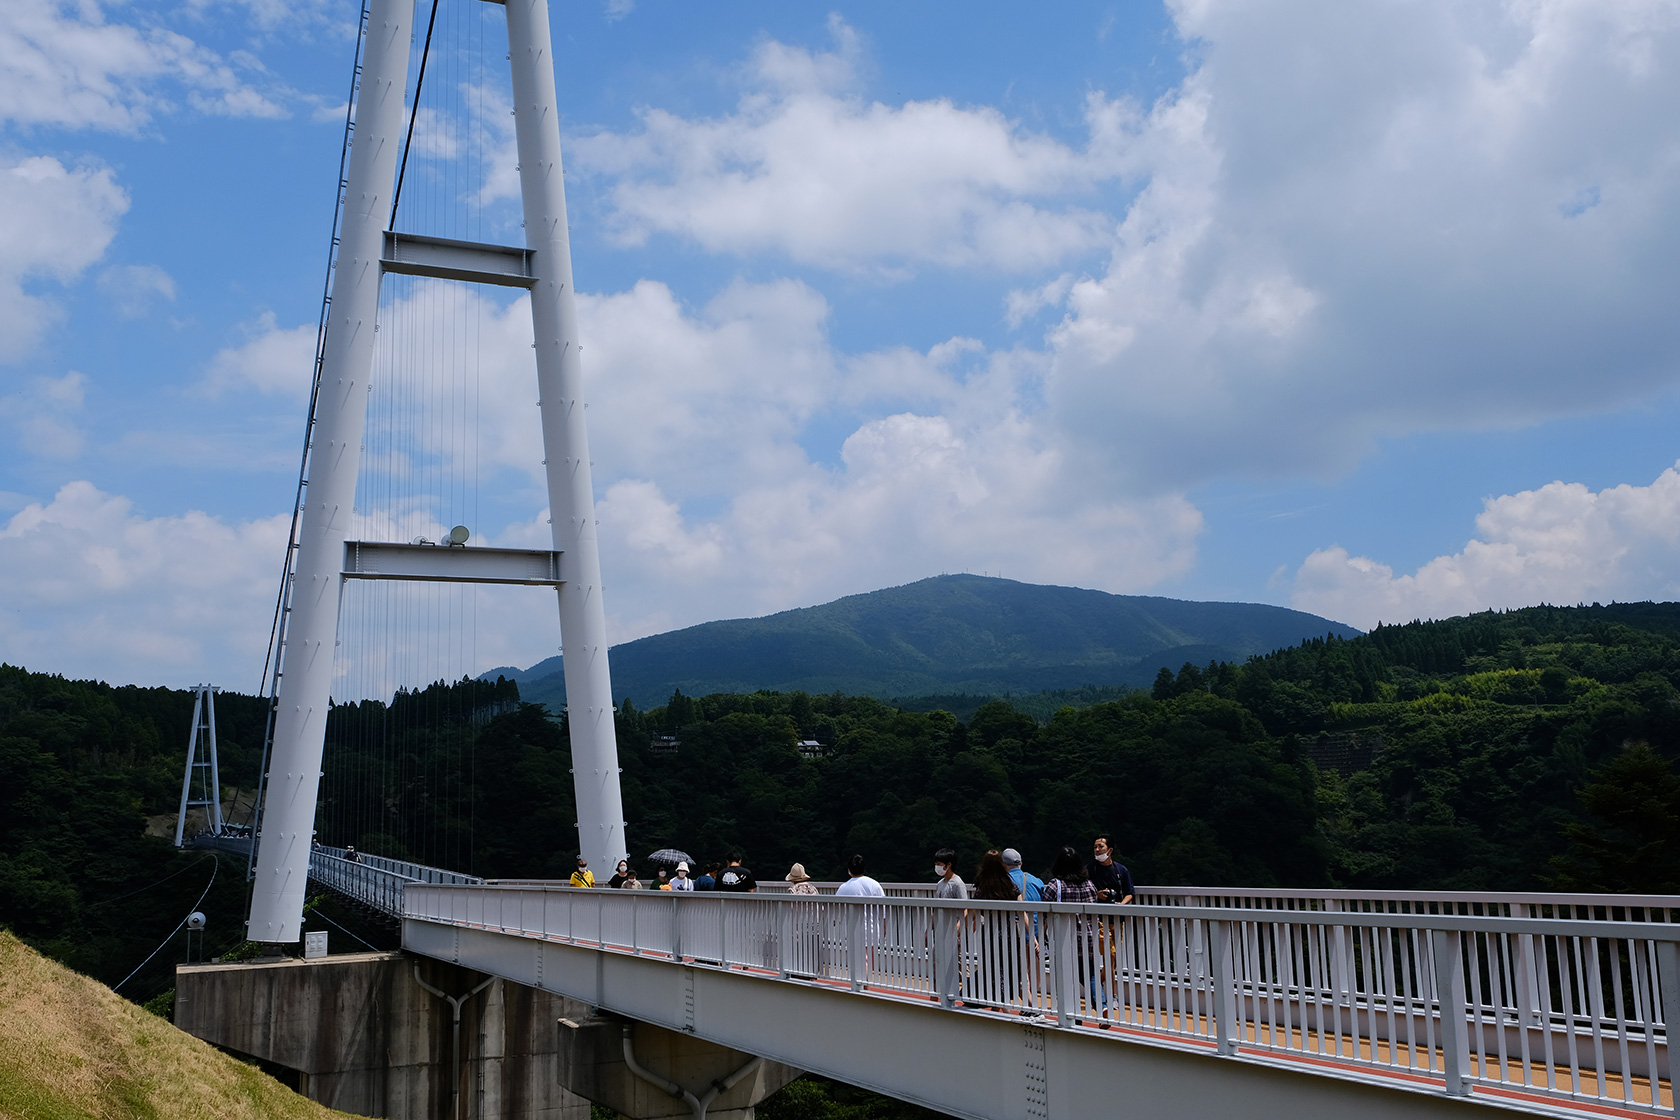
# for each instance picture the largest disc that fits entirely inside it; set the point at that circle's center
(719, 496)
(136, 288)
(1561, 543)
(93, 587)
(275, 359)
(806, 168)
(43, 415)
(915, 495)
(1368, 221)
(55, 221)
(63, 65)
(270, 15)
(90, 586)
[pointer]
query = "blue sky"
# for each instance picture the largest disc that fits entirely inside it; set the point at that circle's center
(1367, 311)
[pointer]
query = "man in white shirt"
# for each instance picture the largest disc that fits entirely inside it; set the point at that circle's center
(857, 883)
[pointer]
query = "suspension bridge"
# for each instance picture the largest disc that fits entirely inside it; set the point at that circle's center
(1193, 999)
(1189, 1001)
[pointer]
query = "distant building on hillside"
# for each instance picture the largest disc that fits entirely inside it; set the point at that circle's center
(664, 744)
(810, 748)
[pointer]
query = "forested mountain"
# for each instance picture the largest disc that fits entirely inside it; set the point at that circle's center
(1500, 751)
(82, 767)
(950, 634)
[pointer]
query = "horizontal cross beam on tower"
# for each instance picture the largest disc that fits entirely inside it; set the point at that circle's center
(446, 564)
(443, 258)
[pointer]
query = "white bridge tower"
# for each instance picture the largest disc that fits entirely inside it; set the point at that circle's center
(325, 556)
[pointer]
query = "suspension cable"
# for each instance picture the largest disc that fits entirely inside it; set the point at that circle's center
(149, 886)
(213, 869)
(402, 168)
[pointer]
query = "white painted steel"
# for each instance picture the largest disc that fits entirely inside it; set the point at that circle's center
(444, 258)
(201, 755)
(377, 882)
(1511, 904)
(444, 564)
(1514, 904)
(980, 1065)
(1556, 1014)
(583, 619)
(306, 665)
(544, 266)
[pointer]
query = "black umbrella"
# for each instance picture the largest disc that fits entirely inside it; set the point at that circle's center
(670, 857)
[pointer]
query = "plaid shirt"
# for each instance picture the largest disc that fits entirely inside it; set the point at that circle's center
(1060, 890)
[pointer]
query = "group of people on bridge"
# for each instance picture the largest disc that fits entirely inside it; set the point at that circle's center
(1000, 876)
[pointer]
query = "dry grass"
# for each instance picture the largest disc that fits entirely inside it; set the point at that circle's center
(72, 1049)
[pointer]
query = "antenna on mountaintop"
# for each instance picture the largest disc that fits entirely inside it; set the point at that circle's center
(202, 766)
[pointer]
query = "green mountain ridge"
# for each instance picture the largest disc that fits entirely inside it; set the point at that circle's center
(944, 635)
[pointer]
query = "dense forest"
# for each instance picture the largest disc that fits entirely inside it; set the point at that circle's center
(1517, 750)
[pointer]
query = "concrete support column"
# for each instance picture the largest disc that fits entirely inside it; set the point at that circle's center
(364, 1033)
(637, 1081)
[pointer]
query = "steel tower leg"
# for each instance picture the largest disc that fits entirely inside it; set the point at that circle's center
(192, 761)
(583, 618)
(288, 817)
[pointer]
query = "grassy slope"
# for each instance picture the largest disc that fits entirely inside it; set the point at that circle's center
(948, 634)
(72, 1049)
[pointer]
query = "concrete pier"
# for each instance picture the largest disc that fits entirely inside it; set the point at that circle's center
(359, 1032)
(730, 1084)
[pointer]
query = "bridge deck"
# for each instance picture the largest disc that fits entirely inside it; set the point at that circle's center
(1554, 1014)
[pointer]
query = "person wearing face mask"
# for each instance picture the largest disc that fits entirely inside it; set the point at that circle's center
(1108, 875)
(682, 882)
(621, 874)
(950, 883)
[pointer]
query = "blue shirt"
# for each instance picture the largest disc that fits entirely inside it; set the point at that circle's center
(1030, 885)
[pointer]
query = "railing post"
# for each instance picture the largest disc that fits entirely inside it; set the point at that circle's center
(676, 927)
(1227, 1027)
(947, 923)
(1449, 988)
(1064, 979)
(855, 960)
(784, 934)
(1668, 986)
(1527, 990)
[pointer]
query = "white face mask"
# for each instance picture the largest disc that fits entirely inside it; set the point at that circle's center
(939, 870)
(1102, 858)
(682, 874)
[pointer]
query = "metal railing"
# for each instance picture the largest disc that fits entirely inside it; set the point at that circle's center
(375, 881)
(1504, 904)
(1557, 1010)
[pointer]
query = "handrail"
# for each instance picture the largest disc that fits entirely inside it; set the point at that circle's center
(1564, 1009)
(376, 881)
(1290, 898)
